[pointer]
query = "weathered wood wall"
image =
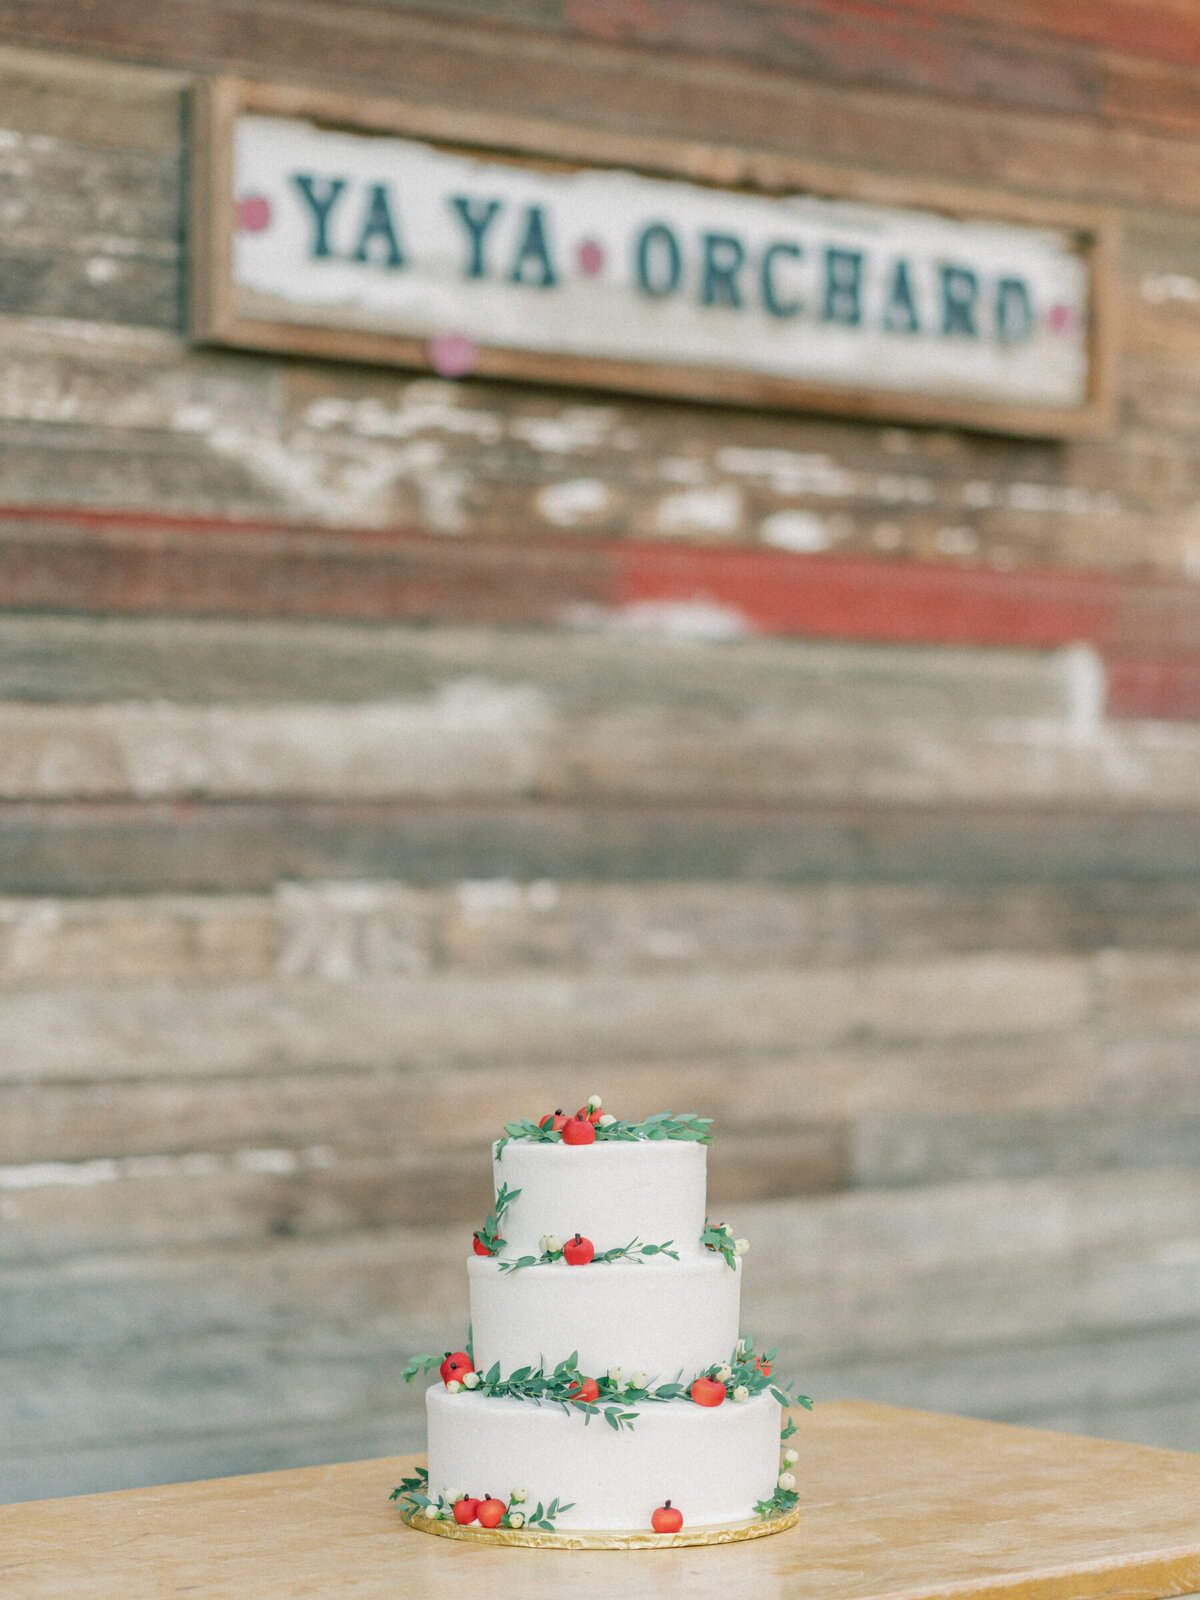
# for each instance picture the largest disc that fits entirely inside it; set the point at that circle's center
(381, 757)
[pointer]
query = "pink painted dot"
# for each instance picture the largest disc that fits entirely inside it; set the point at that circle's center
(1060, 318)
(451, 355)
(589, 258)
(253, 213)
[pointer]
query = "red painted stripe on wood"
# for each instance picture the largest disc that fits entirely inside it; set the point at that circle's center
(848, 598)
(62, 559)
(1162, 689)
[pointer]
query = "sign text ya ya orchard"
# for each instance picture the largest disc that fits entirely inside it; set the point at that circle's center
(463, 243)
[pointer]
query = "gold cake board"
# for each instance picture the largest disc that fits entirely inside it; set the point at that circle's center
(582, 1539)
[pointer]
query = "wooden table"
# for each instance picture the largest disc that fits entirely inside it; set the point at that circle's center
(894, 1504)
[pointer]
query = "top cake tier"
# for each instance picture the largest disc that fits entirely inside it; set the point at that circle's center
(611, 1192)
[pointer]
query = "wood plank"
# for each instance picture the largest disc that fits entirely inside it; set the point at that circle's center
(146, 1029)
(216, 1384)
(356, 1285)
(1142, 988)
(874, 1107)
(203, 938)
(92, 102)
(906, 1146)
(344, 931)
(362, 47)
(473, 739)
(233, 1198)
(1074, 1382)
(924, 49)
(107, 1465)
(1172, 1423)
(108, 249)
(205, 661)
(1165, 30)
(252, 571)
(129, 849)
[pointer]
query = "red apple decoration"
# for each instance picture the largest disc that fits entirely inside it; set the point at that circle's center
(553, 1120)
(480, 1248)
(490, 1512)
(587, 1391)
(456, 1365)
(763, 1366)
(707, 1392)
(592, 1113)
(578, 1130)
(667, 1519)
(577, 1252)
(465, 1511)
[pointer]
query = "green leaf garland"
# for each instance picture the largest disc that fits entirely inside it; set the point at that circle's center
(562, 1385)
(414, 1499)
(780, 1503)
(489, 1235)
(633, 1251)
(413, 1493)
(716, 1236)
(684, 1125)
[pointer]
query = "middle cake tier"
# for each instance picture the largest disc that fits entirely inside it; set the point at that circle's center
(662, 1317)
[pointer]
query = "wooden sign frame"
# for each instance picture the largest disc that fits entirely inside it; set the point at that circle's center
(215, 319)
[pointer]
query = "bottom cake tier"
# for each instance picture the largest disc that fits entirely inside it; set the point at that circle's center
(713, 1463)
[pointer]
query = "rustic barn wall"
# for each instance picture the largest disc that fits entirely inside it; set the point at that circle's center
(382, 757)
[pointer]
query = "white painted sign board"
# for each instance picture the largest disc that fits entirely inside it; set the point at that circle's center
(494, 263)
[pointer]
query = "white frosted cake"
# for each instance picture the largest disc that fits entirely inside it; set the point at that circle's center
(604, 1376)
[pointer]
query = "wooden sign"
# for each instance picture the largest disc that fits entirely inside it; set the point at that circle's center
(459, 244)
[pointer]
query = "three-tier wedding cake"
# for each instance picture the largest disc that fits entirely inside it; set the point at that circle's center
(604, 1375)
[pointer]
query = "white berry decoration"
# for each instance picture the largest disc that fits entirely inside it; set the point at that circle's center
(616, 1376)
(449, 1496)
(723, 1374)
(786, 1480)
(516, 1519)
(551, 1244)
(594, 1102)
(740, 1246)
(471, 1381)
(638, 1380)
(519, 1496)
(606, 1121)
(741, 1392)
(454, 1387)
(791, 1455)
